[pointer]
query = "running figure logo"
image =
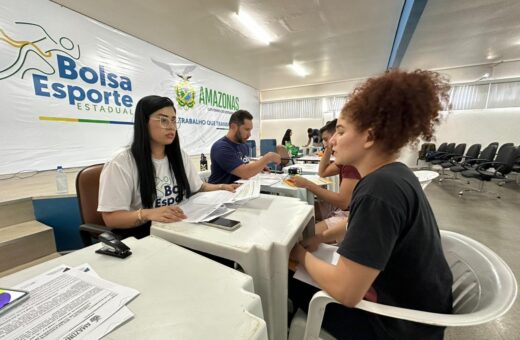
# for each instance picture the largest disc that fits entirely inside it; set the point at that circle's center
(42, 48)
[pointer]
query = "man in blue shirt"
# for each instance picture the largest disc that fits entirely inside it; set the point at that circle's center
(230, 154)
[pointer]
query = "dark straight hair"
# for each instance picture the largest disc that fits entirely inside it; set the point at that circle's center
(238, 117)
(142, 152)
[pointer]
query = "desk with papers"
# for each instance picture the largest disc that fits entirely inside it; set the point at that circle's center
(276, 184)
(270, 226)
(182, 295)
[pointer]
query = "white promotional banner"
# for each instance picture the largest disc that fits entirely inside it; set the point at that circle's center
(69, 86)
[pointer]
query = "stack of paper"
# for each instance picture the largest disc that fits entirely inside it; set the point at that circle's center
(205, 206)
(68, 303)
(266, 179)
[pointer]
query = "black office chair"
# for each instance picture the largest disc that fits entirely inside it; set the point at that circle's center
(516, 164)
(426, 148)
(487, 155)
(457, 155)
(456, 160)
(430, 156)
(92, 224)
(497, 169)
(440, 157)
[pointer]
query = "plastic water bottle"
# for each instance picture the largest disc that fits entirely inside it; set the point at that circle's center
(203, 163)
(61, 181)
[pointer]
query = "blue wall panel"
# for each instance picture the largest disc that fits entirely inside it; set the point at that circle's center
(63, 215)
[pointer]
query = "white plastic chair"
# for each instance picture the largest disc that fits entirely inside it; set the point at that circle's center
(484, 288)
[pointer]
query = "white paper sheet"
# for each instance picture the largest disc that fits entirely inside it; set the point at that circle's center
(197, 212)
(212, 197)
(326, 253)
(64, 305)
(266, 179)
(221, 211)
(116, 320)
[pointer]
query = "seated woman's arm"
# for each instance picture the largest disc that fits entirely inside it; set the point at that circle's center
(129, 219)
(326, 168)
(347, 281)
(339, 199)
(214, 187)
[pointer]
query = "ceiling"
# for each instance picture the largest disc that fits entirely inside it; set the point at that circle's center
(464, 32)
(332, 39)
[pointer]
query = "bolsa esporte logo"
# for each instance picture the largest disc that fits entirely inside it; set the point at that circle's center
(56, 73)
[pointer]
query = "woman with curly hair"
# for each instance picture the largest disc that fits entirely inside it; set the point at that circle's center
(392, 250)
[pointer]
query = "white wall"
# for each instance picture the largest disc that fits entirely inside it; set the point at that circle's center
(275, 128)
(474, 126)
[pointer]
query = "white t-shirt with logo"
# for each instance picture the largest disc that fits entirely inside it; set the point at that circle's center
(119, 183)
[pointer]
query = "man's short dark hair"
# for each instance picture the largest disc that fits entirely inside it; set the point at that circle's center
(329, 127)
(238, 117)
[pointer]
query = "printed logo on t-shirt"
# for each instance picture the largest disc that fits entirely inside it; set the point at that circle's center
(167, 193)
(245, 158)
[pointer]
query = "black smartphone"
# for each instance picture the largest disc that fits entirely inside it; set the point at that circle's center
(223, 223)
(11, 297)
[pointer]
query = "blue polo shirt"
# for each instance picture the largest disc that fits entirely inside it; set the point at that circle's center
(226, 156)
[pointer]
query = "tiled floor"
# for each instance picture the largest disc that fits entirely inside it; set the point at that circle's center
(491, 221)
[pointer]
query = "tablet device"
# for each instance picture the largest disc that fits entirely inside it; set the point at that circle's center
(10, 298)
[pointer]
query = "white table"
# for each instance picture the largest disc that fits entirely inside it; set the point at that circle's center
(306, 150)
(271, 226)
(426, 177)
(183, 295)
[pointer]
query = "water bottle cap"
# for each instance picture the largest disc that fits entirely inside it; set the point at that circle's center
(60, 167)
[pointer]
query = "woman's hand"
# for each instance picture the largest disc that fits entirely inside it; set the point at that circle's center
(229, 187)
(166, 214)
(297, 253)
(312, 243)
(299, 181)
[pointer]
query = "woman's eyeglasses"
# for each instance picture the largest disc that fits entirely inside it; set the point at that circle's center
(165, 122)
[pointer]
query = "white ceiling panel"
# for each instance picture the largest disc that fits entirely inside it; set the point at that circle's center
(465, 32)
(332, 39)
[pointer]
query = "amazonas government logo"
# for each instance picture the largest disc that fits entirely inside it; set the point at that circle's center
(47, 58)
(185, 93)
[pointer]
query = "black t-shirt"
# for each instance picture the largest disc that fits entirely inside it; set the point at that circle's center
(392, 229)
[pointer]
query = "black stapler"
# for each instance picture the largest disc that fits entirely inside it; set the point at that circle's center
(114, 247)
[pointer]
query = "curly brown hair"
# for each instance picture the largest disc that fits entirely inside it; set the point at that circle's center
(398, 106)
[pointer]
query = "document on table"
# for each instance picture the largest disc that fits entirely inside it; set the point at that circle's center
(266, 179)
(325, 252)
(205, 206)
(197, 212)
(67, 303)
(317, 179)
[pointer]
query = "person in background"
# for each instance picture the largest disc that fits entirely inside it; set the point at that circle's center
(287, 137)
(229, 155)
(332, 228)
(393, 244)
(148, 180)
(314, 137)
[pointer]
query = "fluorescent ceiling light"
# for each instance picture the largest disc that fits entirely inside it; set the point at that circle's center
(253, 29)
(298, 69)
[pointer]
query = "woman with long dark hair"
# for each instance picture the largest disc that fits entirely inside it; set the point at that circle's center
(146, 181)
(287, 137)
